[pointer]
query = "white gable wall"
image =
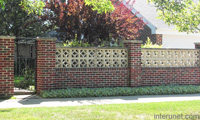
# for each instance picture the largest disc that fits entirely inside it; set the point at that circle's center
(179, 41)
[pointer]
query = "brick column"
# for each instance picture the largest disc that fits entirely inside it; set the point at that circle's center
(46, 63)
(159, 39)
(197, 45)
(134, 61)
(6, 66)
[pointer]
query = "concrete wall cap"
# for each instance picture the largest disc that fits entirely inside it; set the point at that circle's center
(7, 37)
(46, 38)
(132, 41)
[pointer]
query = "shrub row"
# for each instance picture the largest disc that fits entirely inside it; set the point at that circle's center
(120, 91)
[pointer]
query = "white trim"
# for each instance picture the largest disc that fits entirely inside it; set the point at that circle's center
(151, 26)
(7, 37)
(46, 38)
(132, 41)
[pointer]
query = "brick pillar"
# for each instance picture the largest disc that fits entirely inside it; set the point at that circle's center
(134, 61)
(6, 66)
(46, 63)
(159, 39)
(197, 45)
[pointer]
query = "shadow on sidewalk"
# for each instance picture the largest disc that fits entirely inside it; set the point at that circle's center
(37, 100)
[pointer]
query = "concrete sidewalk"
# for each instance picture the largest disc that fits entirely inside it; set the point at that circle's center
(36, 101)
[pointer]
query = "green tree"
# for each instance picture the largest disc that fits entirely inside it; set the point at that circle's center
(77, 18)
(184, 14)
(17, 22)
(102, 6)
(2, 3)
(35, 7)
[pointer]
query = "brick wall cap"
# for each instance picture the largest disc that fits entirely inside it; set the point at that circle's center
(7, 37)
(132, 41)
(46, 38)
(168, 49)
(197, 43)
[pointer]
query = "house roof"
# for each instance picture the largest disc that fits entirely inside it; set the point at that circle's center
(149, 14)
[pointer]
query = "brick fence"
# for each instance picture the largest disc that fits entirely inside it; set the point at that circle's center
(134, 75)
(6, 66)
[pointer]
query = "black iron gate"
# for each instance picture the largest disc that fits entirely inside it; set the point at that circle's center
(25, 63)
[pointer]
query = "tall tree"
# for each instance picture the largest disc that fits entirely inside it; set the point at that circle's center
(35, 6)
(2, 3)
(76, 17)
(17, 22)
(184, 14)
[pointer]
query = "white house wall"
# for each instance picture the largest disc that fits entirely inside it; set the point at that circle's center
(179, 41)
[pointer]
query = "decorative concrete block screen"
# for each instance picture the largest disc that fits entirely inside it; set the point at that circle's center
(91, 57)
(170, 58)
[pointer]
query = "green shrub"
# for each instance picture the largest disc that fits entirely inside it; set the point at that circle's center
(76, 43)
(28, 78)
(149, 44)
(120, 91)
(104, 43)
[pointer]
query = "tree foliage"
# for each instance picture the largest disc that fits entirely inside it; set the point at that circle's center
(101, 6)
(15, 21)
(76, 17)
(2, 3)
(35, 7)
(184, 14)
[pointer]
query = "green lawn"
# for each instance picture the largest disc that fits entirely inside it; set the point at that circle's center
(140, 111)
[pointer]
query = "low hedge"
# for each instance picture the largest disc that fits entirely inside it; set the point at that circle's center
(120, 91)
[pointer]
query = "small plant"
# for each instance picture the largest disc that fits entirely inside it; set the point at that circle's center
(104, 43)
(76, 43)
(29, 76)
(149, 44)
(13, 97)
(121, 91)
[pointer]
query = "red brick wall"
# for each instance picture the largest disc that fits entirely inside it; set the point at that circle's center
(170, 76)
(6, 66)
(46, 61)
(91, 77)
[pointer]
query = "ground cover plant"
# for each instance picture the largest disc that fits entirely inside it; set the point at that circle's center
(134, 111)
(120, 91)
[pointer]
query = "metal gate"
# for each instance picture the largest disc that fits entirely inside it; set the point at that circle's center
(25, 63)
